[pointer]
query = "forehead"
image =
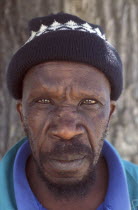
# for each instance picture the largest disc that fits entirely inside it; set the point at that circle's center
(60, 74)
(70, 70)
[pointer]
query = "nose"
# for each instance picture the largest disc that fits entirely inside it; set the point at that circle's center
(67, 129)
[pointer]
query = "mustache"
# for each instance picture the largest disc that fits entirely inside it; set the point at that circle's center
(62, 147)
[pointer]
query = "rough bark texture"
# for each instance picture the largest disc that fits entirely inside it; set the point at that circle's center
(119, 18)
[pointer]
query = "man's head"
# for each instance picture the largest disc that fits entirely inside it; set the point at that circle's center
(65, 110)
(66, 98)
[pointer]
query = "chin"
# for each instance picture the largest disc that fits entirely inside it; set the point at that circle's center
(69, 187)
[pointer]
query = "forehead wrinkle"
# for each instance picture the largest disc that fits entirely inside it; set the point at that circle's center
(75, 84)
(73, 91)
(61, 89)
(88, 93)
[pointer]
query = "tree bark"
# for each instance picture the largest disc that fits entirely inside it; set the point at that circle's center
(120, 21)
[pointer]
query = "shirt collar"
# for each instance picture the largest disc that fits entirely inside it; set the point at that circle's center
(117, 197)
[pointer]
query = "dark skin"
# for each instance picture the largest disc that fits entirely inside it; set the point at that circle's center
(66, 100)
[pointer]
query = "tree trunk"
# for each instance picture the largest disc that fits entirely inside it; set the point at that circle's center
(119, 18)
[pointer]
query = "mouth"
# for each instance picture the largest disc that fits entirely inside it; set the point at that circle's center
(67, 163)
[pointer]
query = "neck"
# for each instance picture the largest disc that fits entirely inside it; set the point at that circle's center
(92, 200)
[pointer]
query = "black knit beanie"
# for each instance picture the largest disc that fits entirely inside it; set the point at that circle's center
(64, 37)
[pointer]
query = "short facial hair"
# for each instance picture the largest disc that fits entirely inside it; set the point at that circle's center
(75, 190)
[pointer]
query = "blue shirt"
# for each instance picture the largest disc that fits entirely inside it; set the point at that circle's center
(117, 197)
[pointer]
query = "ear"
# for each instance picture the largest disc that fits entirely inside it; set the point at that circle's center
(112, 108)
(19, 109)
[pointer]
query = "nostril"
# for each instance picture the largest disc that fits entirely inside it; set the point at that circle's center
(66, 133)
(67, 129)
(77, 136)
(72, 138)
(56, 136)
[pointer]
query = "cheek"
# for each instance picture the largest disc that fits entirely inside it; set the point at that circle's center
(97, 123)
(103, 116)
(101, 124)
(37, 122)
(99, 117)
(36, 119)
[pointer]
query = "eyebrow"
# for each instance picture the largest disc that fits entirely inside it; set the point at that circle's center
(56, 93)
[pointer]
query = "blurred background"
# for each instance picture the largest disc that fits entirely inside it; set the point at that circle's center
(119, 18)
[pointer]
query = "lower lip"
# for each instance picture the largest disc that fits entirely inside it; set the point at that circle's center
(64, 165)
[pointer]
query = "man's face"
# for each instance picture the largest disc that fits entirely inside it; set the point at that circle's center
(65, 110)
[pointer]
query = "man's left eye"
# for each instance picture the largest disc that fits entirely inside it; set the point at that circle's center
(44, 101)
(88, 102)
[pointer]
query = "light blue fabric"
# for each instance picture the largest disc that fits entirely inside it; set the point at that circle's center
(117, 197)
(7, 196)
(132, 181)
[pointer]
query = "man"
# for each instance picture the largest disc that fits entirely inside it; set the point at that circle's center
(66, 78)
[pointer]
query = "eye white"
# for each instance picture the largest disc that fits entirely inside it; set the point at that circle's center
(89, 102)
(45, 101)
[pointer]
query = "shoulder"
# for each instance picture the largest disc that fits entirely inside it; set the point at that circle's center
(131, 171)
(10, 155)
(7, 198)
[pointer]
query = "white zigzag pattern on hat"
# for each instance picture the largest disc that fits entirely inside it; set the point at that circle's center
(70, 25)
